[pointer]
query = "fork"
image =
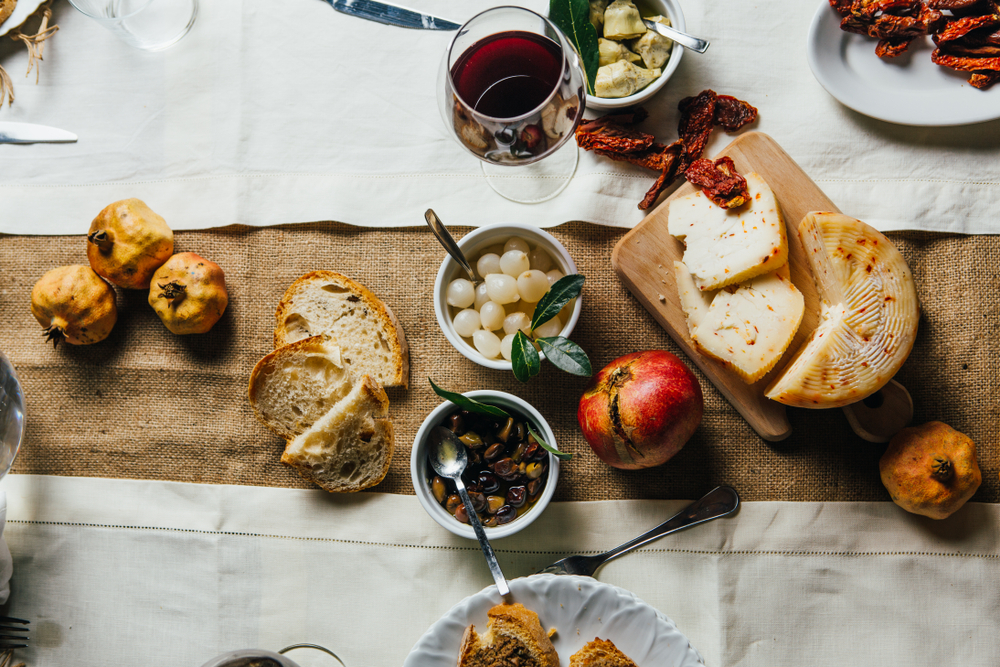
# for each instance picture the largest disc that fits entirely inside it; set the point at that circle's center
(718, 502)
(9, 627)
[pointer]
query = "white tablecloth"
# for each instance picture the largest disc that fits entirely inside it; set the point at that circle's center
(115, 572)
(286, 111)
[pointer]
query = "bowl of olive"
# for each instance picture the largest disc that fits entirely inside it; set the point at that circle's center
(510, 477)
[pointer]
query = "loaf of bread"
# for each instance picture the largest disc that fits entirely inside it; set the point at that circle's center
(369, 336)
(600, 653)
(514, 638)
(292, 387)
(349, 448)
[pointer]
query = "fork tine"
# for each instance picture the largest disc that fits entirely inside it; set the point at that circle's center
(22, 638)
(11, 619)
(10, 647)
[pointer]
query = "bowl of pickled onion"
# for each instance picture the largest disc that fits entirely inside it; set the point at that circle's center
(515, 265)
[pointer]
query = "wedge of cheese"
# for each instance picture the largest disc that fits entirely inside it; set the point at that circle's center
(727, 246)
(869, 315)
(747, 326)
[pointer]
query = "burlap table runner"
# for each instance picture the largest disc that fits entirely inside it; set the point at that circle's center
(145, 404)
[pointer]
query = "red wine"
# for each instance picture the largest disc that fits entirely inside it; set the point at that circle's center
(508, 74)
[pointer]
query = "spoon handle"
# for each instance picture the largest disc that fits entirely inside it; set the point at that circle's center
(682, 38)
(491, 558)
(445, 239)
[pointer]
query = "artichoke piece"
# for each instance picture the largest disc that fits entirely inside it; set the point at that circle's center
(653, 47)
(612, 52)
(597, 8)
(622, 78)
(622, 21)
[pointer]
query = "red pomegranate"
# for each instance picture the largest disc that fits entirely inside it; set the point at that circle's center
(640, 409)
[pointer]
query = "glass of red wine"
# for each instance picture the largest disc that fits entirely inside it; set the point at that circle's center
(511, 87)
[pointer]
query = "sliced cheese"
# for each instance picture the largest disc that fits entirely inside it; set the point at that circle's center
(869, 315)
(727, 246)
(747, 326)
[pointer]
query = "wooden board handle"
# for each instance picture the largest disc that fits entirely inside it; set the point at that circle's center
(883, 414)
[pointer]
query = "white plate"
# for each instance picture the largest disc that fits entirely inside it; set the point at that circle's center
(908, 89)
(580, 608)
(22, 10)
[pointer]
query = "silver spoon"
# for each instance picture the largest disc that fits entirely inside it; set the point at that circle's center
(444, 238)
(449, 458)
(682, 38)
(718, 502)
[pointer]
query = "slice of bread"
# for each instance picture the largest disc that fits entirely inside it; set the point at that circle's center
(600, 653)
(514, 638)
(370, 338)
(349, 448)
(292, 387)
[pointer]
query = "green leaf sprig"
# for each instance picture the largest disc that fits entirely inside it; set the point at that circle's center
(472, 405)
(466, 403)
(562, 456)
(561, 351)
(573, 18)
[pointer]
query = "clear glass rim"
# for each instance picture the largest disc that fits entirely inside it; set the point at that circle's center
(108, 19)
(555, 89)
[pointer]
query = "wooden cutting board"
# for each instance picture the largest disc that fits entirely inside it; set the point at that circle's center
(644, 259)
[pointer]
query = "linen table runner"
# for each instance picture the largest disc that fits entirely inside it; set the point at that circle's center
(145, 404)
(117, 572)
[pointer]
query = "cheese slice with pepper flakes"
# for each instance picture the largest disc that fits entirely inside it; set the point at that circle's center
(869, 316)
(747, 326)
(727, 246)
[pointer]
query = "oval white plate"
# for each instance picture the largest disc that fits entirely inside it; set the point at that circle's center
(580, 608)
(22, 10)
(908, 89)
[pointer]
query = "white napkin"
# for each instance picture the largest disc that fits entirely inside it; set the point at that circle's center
(6, 562)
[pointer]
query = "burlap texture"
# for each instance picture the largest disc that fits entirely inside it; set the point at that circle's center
(146, 404)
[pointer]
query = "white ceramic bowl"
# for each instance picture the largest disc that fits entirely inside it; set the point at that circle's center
(421, 471)
(672, 10)
(472, 244)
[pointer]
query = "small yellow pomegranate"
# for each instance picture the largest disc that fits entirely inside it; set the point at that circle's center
(930, 469)
(189, 293)
(75, 305)
(128, 242)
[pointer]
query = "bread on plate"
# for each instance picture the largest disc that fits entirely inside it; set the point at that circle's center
(600, 653)
(514, 638)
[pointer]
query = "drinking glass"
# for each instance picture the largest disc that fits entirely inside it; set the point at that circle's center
(511, 88)
(11, 415)
(152, 25)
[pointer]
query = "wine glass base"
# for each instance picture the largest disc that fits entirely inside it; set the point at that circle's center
(537, 182)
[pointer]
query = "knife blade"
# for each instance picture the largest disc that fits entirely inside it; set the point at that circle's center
(29, 133)
(381, 12)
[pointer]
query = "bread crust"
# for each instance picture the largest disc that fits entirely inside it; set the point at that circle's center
(600, 653)
(379, 308)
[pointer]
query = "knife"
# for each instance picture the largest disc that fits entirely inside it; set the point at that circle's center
(380, 12)
(29, 133)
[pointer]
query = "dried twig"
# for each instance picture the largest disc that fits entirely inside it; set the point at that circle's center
(36, 47)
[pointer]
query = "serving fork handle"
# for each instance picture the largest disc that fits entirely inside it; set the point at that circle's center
(719, 502)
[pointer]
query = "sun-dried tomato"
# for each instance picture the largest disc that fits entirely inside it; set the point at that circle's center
(719, 181)
(965, 63)
(843, 7)
(676, 161)
(731, 114)
(983, 80)
(890, 48)
(610, 137)
(697, 116)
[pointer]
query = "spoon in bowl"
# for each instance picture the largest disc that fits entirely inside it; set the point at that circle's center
(448, 458)
(445, 239)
